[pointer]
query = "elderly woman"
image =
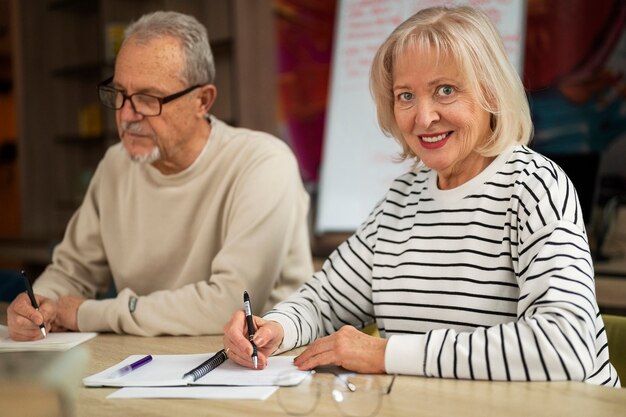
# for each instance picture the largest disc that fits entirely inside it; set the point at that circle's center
(476, 263)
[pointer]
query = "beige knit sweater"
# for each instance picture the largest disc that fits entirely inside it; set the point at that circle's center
(182, 248)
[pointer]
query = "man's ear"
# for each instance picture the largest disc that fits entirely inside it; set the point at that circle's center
(208, 94)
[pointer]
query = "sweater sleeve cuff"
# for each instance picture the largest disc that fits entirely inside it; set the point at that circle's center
(92, 316)
(290, 335)
(405, 354)
(45, 292)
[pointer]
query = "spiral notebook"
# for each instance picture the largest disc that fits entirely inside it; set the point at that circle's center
(168, 371)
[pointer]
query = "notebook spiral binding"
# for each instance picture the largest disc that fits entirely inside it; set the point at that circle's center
(208, 365)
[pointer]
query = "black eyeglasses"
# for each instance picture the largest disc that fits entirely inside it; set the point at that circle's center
(144, 104)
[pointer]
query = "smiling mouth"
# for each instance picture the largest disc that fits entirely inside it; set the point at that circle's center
(435, 138)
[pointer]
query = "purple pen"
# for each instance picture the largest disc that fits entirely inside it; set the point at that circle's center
(128, 368)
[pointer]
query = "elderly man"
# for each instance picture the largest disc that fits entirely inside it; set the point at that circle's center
(183, 215)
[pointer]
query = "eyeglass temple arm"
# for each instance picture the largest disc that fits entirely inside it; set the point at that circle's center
(391, 384)
(352, 387)
(345, 381)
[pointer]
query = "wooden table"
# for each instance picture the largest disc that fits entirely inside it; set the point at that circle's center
(411, 396)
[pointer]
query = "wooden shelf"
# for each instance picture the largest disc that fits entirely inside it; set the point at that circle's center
(68, 203)
(87, 70)
(37, 250)
(82, 140)
(77, 6)
(221, 46)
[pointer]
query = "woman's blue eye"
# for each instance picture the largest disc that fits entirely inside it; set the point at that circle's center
(405, 96)
(445, 90)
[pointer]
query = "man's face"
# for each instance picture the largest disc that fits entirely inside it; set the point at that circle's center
(154, 68)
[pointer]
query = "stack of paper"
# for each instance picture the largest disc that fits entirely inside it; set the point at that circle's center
(54, 341)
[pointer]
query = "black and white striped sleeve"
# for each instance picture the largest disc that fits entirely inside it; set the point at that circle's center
(340, 294)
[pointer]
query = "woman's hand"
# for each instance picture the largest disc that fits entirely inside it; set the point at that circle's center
(349, 348)
(267, 337)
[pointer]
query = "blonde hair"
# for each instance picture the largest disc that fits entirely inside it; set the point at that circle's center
(467, 36)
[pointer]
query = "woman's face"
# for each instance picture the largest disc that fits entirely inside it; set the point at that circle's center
(439, 117)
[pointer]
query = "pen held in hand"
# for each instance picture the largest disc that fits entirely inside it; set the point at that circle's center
(250, 321)
(33, 300)
(129, 368)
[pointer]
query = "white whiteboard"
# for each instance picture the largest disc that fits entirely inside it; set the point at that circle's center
(357, 159)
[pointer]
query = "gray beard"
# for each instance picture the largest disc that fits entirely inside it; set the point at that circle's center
(153, 156)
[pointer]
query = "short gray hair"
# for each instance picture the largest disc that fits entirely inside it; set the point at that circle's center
(467, 36)
(199, 66)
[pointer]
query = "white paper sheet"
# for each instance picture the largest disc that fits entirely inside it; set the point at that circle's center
(54, 341)
(196, 392)
(168, 370)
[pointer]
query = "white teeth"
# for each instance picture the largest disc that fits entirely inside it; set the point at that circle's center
(432, 139)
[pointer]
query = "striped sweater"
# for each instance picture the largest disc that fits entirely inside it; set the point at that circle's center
(490, 280)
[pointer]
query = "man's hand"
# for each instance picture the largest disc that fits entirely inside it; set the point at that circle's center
(67, 313)
(23, 320)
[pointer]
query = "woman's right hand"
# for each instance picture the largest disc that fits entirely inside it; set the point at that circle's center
(268, 336)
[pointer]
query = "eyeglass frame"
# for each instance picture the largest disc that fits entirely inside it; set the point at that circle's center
(344, 380)
(129, 97)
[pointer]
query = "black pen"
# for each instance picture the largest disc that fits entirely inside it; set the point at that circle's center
(33, 301)
(246, 304)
